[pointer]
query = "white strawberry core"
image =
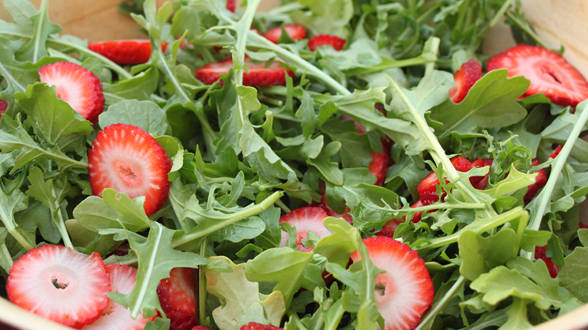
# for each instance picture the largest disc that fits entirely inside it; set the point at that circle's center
(397, 290)
(59, 282)
(126, 168)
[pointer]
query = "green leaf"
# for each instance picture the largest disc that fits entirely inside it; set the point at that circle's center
(36, 48)
(283, 266)
(53, 118)
(113, 210)
(325, 17)
(523, 279)
(156, 258)
(240, 298)
(329, 169)
(517, 316)
(140, 86)
(491, 102)
(144, 114)
(573, 273)
(338, 246)
(479, 254)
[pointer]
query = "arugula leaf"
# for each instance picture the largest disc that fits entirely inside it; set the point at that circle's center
(42, 28)
(54, 119)
(480, 254)
(576, 264)
(241, 300)
(330, 17)
(144, 114)
(10, 203)
(491, 102)
(156, 258)
(112, 210)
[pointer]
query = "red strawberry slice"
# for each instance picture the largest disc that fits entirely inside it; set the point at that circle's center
(583, 225)
(177, 296)
(295, 31)
(259, 326)
(379, 166)
(124, 51)
(60, 284)
(404, 291)
(428, 186)
(390, 227)
(129, 160)
(122, 279)
(480, 182)
(77, 86)
(326, 40)
(464, 79)
(257, 74)
(548, 72)
(200, 327)
(541, 178)
(3, 107)
(231, 5)
(540, 253)
(305, 219)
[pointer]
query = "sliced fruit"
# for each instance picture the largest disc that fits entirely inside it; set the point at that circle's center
(427, 188)
(326, 40)
(77, 86)
(60, 284)
(379, 166)
(541, 253)
(257, 74)
(177, 296)
(541, 178)
(480, 182)
(117, 317)
(547, 70)
(3, 107)
(295, 31)
(305, 219)
(464, 79)
(129, 160)
(259, 326)
(231, 5)
(124, 51)
(404, 292)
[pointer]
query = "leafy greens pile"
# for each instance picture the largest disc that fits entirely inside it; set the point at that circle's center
(243, 155)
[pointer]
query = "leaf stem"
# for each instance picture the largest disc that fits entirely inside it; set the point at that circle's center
(441, 304)
(544, 196)
(17, 235)
(39, 29)
(238, 216)
(294, 59)
(5, 254)
(526, 28)
(6, 74)
(391, 64)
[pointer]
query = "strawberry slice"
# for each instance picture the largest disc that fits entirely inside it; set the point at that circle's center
(259, 326)
(257, 74)
(177, 296)
(548, 72)
(231, 5)
(60, 284)
(122, 279)
(480, 182)
(541, 178)
(77, 86)
(305, 219)
(390, 227)
(404, 291)
(379, 166)
(540, 253)
(295, 31)
(427, 188)
(464, 79)
(200, 327)
(129, 160)
(3, 107)
(124, 51)
(326, 40)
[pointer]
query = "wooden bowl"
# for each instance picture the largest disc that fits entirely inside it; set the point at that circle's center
(101, 20)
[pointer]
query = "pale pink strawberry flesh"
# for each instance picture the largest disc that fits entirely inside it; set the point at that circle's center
(305, 219)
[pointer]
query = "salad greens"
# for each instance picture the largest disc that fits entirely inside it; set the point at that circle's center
(243, 155)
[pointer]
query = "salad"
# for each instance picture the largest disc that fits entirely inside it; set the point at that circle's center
(336, 164)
